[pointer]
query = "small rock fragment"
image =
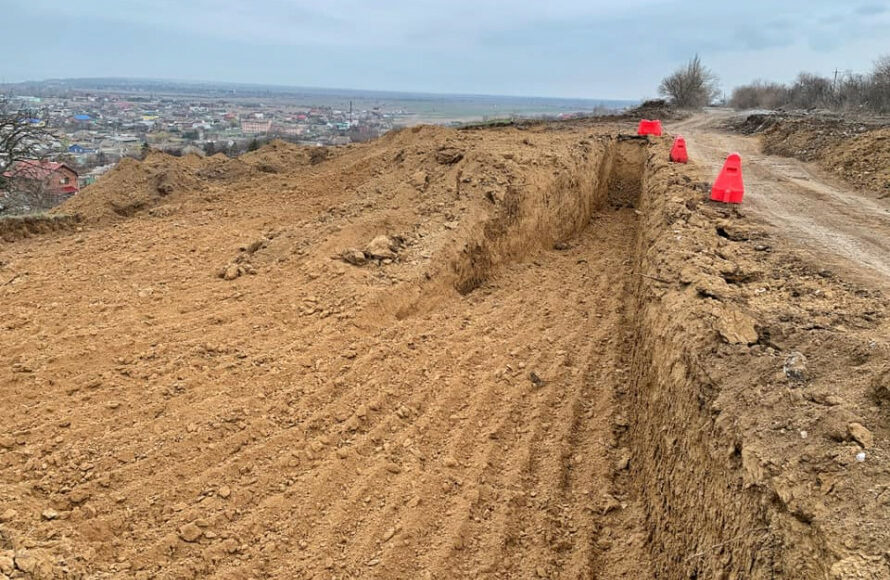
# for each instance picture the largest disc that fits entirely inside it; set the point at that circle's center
(224, 492)
(448, 155)
(795, 367)
(382, 247)
(354, 257)
(190, 532)
(389, 534)
(6, 564)
(231, 272)
(736, 327)
(78, 496)
(49, 514)
(8, 515)
(860, 434)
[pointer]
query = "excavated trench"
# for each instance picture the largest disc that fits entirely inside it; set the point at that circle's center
(609, 174)
(701, 517)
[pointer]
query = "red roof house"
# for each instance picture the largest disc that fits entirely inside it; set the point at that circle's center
(56, 177)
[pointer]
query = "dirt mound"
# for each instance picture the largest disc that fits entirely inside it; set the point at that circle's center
(133, 186)
(858, 152)
(655, 109)
(283, 157)
(220, 168)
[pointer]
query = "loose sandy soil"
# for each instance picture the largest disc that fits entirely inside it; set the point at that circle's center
(558, 362)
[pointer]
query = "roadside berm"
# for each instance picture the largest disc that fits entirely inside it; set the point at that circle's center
(529, 351)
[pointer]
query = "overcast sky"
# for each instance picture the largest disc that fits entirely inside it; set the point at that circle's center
(562, 48)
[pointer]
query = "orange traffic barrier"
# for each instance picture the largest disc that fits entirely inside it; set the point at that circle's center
(729, 187)
(648, 127)
(678, 151)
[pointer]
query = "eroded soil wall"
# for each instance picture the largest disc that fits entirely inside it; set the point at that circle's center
(709, 512)
(606, 170)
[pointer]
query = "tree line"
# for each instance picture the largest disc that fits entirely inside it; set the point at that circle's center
(693, 86)
(850, 92)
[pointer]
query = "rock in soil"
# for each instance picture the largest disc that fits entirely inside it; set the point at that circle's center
(382, 247)
(354, 257)
(190, 532)
(795, 367)
(736, 327)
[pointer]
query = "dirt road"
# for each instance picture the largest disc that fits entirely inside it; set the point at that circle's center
(848, 230)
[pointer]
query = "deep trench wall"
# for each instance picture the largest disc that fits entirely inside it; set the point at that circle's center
(555, 209)
(709, 514)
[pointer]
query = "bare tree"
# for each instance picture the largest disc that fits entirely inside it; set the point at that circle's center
(759, 94)
(692, 86)
(854, 92)
(810, 91)
(20, 137)
(879, 89)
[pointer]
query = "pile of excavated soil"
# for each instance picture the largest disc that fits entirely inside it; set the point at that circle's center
(508, 353)
(133, 186)
(858, 152)
(162, 183)
(280, 156)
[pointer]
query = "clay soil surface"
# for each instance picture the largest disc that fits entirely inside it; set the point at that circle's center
(195, 384)
(505, 352)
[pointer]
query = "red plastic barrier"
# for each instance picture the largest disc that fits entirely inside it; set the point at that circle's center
(648, 127)
(729, 187)
(678, 151)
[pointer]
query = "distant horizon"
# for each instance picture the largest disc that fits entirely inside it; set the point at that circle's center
(185, 83)
(560, 49)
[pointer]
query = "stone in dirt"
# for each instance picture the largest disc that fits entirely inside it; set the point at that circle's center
(8, 515)
(420, 179)
(795, 367)
(382, 247)
(860, 434)
(836, 423)
(354, 257)
(230, 272)
(190, 532)
(6, 563)
(449, 155)
(736, 327)
(34, 563)
(78, 496)
(50, 514)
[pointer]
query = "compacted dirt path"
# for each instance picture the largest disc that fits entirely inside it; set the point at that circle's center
(837, 224)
